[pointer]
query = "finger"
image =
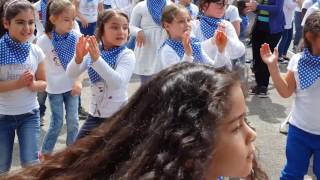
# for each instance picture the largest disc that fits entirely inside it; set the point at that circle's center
(276, 52)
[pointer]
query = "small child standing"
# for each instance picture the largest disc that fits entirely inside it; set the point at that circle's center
(145, 25)
(110, 65)
(59, 45)
(22, 75)
(180, 47)
(212, 20)
(302, 79)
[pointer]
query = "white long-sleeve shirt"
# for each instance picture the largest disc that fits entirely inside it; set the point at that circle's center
(110, 93)
(169, 57)
(234, 48)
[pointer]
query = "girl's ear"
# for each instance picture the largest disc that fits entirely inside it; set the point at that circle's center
(166, 25)
(52, 19)
(6, 23)
(309, 37)
(205, 7)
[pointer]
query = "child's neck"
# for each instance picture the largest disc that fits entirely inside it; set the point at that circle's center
(59, 31)
(315, 51)
(176, 38)
(107, 47)
(15, 40)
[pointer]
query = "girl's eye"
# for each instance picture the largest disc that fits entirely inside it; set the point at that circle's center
(235, 130)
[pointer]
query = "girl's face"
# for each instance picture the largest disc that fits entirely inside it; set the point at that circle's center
(215, 9)
(64, 21)
(180, 24)
(234, 149)
(116, 32)
(21, 27)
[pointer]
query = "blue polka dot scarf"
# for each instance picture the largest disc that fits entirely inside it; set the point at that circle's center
(43, 10)
(208, 25)
(65, 46)
(109, 56)
(156, 8)
(178, 48)
(308, 69)
(12, 52)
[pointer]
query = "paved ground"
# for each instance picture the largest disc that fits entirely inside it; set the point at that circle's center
(264, 114)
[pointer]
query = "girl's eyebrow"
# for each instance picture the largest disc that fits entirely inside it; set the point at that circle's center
(236, 118)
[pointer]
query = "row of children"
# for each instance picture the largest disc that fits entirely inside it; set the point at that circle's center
(62, 54)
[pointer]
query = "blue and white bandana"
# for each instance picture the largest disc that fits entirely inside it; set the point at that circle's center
(65, 46)
(308, 69)
(177, 46)
(208, 25)
(110, 56)
(156, 8)
(12, 52)
(43, 10)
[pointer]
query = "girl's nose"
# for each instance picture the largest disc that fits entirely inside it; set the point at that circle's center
(251, 134)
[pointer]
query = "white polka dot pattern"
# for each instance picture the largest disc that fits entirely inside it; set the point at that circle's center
(12, 52)
(308, 69)
(155, 8)
(208, 25)
(110, 56)
(65, 47)
(43, 9)
(177, 46)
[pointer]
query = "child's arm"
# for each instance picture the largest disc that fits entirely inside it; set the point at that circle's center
(234, 47)
(135, 29)
(25, 80)
(115, 78)
(77, 66)
(39, 84)
(284, 85)
(83, 20)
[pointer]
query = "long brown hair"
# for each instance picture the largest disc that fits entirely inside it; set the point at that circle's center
(166, 131)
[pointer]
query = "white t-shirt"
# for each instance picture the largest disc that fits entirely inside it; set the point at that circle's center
(23, 100)
(124, 5)
(304, 114)
(232, 14)
(288, 10)
(313, 8)
(109, 94)
(89, 9)
(107, 2)
(307, 3)
(57, 80)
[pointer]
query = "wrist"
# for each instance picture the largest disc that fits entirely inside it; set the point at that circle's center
(78, 60)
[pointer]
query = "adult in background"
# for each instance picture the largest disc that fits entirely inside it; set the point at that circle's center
(269, 25)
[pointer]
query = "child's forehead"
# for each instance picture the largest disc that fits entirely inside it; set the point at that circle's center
(25, 14)
(117, 19)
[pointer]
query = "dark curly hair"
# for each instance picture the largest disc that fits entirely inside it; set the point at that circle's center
(166, 131)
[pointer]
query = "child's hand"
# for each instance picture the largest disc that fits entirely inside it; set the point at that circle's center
(186, 44)
(25, 79)
(93, 48)
(140, 39)
(221, 40)
(81, 49)
(76, 88)
(84, 22)
(32, 86)
(267, 56)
